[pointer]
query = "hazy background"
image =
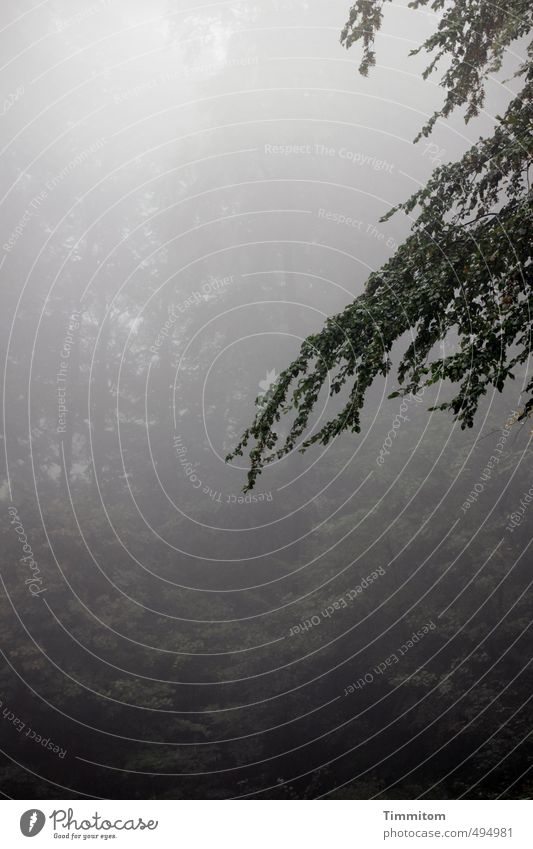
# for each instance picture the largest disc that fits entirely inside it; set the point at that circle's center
(175, 186)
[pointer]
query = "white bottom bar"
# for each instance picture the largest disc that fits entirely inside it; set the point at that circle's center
(268, 824)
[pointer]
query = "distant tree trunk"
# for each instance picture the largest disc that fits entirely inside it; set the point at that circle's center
(100, 388)
(73, 398)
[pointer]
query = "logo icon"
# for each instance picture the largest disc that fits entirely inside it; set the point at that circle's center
(32, 822)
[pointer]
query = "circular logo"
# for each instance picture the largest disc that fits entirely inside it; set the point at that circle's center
(32, 822)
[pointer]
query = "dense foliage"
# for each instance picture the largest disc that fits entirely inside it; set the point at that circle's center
(464, 273)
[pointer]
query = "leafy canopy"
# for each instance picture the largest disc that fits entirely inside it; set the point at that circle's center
(465, 267)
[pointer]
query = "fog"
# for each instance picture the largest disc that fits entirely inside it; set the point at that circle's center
(188, 190)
